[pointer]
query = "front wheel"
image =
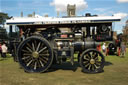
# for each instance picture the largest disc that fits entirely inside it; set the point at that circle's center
(92, 61)
(35, 54)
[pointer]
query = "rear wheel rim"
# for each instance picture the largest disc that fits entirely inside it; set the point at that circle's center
(35, 55)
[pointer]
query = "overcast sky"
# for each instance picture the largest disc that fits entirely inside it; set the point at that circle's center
(50, 7)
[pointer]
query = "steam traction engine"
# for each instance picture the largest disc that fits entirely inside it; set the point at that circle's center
(114, 47)
(46, 41)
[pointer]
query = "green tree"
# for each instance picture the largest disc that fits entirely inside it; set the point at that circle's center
(3, 17)
(3, 32)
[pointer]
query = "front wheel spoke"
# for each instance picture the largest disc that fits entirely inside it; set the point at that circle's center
(86, 58)
(93, 68)
(88, 55)
(91, 55)
(94, 55)
(35, 66)
(96, 58)
(96, 66)
(89, 68)
(42, 49)
(98, 62)
(29, 62)
(87, 64)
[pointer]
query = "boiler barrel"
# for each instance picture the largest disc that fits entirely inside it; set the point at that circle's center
(83, 45)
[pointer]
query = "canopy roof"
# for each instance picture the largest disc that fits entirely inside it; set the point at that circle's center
(59, 21)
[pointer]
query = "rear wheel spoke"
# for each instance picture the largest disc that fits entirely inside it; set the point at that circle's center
(44, 54)
(41, 63)
(26, 54)
(38, 47)
(24, 58)
(42, 49)
(28, 49)
(43, 60)
(29, 46)
(29, 62)
(25, 51)
(33, 46)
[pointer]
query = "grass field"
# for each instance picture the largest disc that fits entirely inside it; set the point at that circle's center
(115, 73)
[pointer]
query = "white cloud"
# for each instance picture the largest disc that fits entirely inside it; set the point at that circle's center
(122, 15)
(61, 5)
(122, 1)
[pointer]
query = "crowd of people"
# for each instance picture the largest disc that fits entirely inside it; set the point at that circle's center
(104, 48)
(3, 49)
(122, 49)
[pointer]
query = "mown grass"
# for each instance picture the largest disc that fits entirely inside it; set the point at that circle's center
(115, 73)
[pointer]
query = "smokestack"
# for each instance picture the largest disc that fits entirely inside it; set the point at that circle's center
(57, 13)
(21, 14)
(46, 15)
(33, 14)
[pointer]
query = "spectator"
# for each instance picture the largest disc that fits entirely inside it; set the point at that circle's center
(123, 49)
(99, 47)
(104, 49)
(4, 50)
(107, 50)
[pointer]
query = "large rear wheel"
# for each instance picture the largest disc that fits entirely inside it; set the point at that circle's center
(35, 54)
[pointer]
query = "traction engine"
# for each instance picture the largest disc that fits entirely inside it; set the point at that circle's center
(46, 41)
